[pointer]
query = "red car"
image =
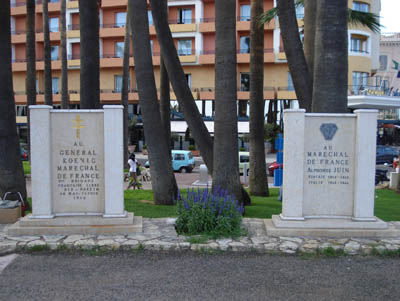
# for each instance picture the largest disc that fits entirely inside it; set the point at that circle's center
(272, 167)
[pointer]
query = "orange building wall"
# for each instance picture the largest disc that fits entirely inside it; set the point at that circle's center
(75, 19)
(20, 52)
(209, 11)
(209, 41)
(20, 24)
(173, 12)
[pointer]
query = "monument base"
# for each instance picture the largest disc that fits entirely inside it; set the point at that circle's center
(80, 225)
(340, 228)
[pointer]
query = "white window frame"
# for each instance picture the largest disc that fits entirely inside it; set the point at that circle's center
(182, 49)
(118, 19)
(54, 27)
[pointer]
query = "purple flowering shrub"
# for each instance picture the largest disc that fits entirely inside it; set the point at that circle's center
(209, 212)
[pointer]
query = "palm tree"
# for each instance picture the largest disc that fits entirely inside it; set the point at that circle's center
(11, 171)
(48, 87)
(331, 59)
(179, 83)
(90, 61)
(302, 80)
(30, 60)
(226, 161)
(290, 28)
(258, 175)
(125, 82)
(165, 101)
(64, 62)
(163, 181)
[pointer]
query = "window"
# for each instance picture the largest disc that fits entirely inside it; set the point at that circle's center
(299, 11)
(245, 44)
(120, 19)
(119, 49)
(179, 157)
(358, 44)
(378, 81)
(290, 82)
(118, 83)
(245, 12)
(151, 47)
(185, 16)
(55, 85)
(360, 81)
(53, 24)
(150, 17)
(189, 80)
(244, 81)
(360, 6)
(184, 47)
(383, 61)
(54, 53)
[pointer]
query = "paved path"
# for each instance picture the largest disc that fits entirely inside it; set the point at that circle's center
(190, 276)
(160, 234)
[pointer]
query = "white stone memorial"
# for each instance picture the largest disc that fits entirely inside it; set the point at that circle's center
(328, 176)
(77, 174)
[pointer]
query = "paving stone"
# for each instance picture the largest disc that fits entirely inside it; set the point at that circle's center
(131, 243)
(184, 245)
(352, 247)
(7, 246)
(199, 247)
(272, 246)
(224, 241)
(53, 238)
(35, 243)
(73, 238)
(258, 240)
(108, 243)
(85, 244)
(292, 239)
(288, 245)
(23, 238)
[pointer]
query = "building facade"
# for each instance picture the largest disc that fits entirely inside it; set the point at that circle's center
(192, 23)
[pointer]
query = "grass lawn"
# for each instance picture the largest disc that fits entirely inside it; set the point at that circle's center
(27, 167)
(387, 205)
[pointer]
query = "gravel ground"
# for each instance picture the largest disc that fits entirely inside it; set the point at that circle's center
(198, 276)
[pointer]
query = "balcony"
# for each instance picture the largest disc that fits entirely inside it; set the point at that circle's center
(19, 64)
(207, 57)
(286, 93)
(112, 30)
(208, 25)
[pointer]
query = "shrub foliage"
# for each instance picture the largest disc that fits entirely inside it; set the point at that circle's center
(205, 212)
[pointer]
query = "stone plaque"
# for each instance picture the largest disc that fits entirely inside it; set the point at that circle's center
(329, 166)
(77, 162)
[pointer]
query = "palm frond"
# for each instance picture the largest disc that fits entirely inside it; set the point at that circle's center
(369, 20)
(273, 12)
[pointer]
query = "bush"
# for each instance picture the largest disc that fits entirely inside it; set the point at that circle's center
(192, 147)
(205, 212)
(242, 149)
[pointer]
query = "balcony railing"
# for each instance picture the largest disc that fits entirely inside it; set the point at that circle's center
(17, 4)
(74, 27)
(243, 18)
(74, 56)
(207, 20)
(181, 21)
(359, 51)
(373, 90)
(112, 25)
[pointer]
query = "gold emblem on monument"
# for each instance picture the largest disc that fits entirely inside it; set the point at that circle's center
(78, 126)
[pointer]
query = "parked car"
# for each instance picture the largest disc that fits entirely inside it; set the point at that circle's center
(386, 154)
(244, 157)
(182, 161)
(381, 175)
(24, 154)
(272, 167)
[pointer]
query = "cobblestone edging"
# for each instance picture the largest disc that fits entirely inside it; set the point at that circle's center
(159, 234)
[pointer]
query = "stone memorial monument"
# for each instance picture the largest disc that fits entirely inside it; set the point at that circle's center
(77, 174)
(328, 176)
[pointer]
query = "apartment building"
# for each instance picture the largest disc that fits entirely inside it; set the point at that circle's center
(192, 23)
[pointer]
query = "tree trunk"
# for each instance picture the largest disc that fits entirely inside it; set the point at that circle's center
(11, 171)
(162, 178)
(125, 83)
(310, 18)
(165, 107)
(226, 161)
(90, 74)
(331, 58)
(48, 87)
(294, 52)
(258, 174)
(30, 61)
(179, 83)
(64, 62)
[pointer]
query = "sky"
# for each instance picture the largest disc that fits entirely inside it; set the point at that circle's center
(390, 12)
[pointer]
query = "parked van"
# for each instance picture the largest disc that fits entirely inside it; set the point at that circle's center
(244, 157)
(182, 161)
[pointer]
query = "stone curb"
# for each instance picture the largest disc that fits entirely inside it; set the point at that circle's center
(160, 235)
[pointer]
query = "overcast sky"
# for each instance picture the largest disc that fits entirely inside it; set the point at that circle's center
(390, 15)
